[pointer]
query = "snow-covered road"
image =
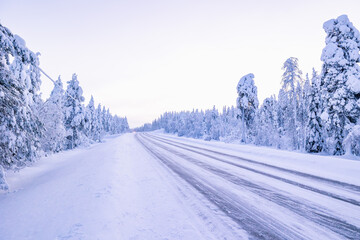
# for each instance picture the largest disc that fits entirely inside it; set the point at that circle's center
(266, 200)
(157, 186)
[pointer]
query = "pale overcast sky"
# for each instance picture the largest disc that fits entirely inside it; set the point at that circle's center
(141, 58)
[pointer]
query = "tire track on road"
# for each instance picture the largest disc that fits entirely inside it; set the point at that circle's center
(314, 214)
(257, 225)
(349, 186)
(301, 185)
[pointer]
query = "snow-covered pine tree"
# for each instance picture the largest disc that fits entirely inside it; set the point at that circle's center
(119, 125)
(198, 131)
(52, 115)
(229, 123)
(74, 113)
(207, 125)
(182, 124)
(340, 81)
(114, 124)
(125, 125)
(103, 119)
(247, 102)
(20, 128)
(290, 79)
(233, 130)
(282, 119)
(90, 120)
(300, 112)
(304, 112)
(173, 120)
(215, 124)
(107, 121)
(267, 123)
(352, 141)
(99, 131)
(315, 131)
(165, 122)
(191, 124)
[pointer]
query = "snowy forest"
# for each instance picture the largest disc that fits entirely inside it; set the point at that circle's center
(31, 127)
(316, 113)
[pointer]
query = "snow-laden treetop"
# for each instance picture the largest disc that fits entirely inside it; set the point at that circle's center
(342, 42)
(342, 50)
(16, 46)
(247, 92)
(245, 82)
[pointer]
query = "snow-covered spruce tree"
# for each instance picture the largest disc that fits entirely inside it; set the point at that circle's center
(290, 79)
(191, 124)
(173, 120)
(108, 120)
(282, 119)
(215, 124)
(315, 131)
(207, 124)
(90, 120)
(125, 125)
(120, 125)
(352, 141)
(198, 118)
(303, 113)
(267, 123)
(247, 102)
(183, 124)
(229, 123)
(74, 114)
(87, 119)
(52, 115)
(299, 115)
(233, 125)
(99, 131)
(104, 119)
(20, 128)
(340, 81)
(114, 125)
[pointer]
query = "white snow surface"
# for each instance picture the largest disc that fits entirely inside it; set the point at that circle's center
(120, 190)
(111, 190)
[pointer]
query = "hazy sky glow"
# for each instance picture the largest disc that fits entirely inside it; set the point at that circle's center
(142, 58)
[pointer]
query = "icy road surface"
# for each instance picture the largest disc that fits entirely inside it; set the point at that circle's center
(156, 186)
